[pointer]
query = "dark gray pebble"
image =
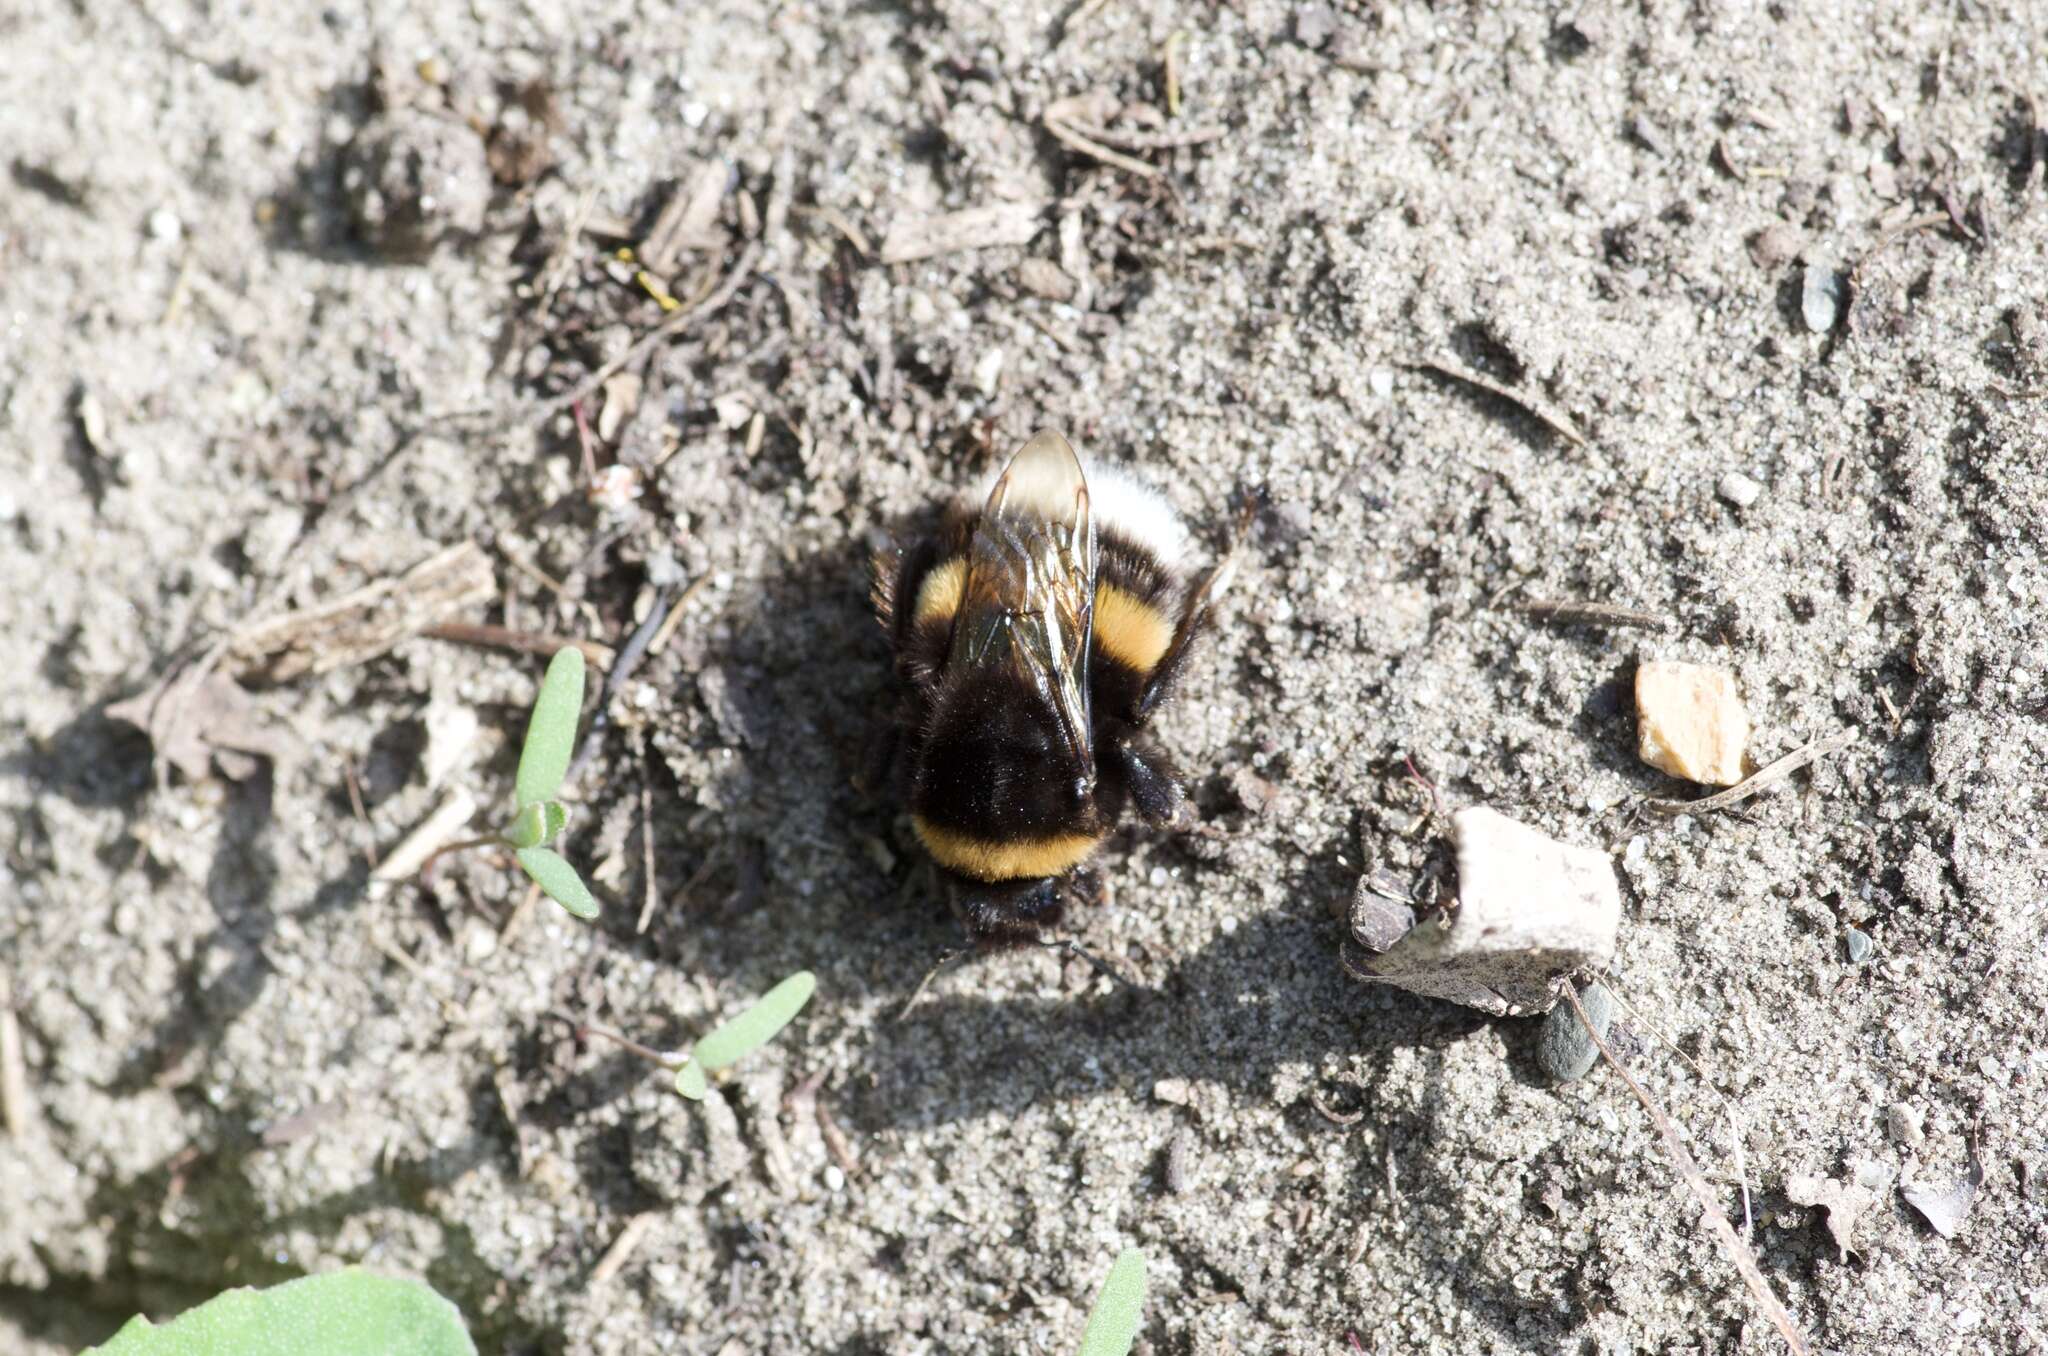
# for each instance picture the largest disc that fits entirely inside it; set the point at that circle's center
(1564, 1049)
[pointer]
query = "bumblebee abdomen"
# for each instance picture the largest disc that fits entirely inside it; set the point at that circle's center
(996, 859)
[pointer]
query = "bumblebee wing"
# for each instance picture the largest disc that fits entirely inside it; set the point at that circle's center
(1028, 601)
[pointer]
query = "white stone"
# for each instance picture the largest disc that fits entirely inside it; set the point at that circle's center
(1739, 489)
(1690, 721)
(1530, 909)
(988, 371)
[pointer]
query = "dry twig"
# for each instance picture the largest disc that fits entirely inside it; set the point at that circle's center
(1724, 1232)
(676, 322)
(13, 1067)
(365, 623)
(1556, 420)
(1757, 781)
(527, 642)
(1074, 139)
(622, 1248)
(973, 228)
(1572, 612)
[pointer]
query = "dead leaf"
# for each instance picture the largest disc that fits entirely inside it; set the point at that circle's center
(196, 716)
(1944, 1208)
(1845, 1203)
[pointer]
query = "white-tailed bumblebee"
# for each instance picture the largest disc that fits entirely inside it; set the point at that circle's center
(1037, 633)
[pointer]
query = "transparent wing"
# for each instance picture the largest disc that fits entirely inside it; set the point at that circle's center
(1028, 602)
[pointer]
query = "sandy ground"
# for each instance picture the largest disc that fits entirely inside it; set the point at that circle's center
(219, 399)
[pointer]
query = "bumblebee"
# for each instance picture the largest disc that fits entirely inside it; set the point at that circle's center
(1036, 635)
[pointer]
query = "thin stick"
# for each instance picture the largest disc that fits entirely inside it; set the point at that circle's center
(676, 323)
(926, 982)
(626, 1043)
(1904, 228)
(13, 1067)
(520, 913)
(423, 844)
(646, 848)
(1724, 1232)
(1635, 1013)
(622, 1247)
(1555, 419)
(1572, 612)
(527, 642)
(835, 1139)
(1065, 134)
(1146, 141)
(630, 655)
(1758, 780)
(355, 805)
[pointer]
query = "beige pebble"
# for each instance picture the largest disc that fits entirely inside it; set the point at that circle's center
(1690, 721)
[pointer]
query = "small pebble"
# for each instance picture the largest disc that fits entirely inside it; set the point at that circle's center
(1173, 1092)
(1313, 25)
(1739, 489)
(1860, 945)
(1180, 1162)
(164, 224)
(1377, 922)
(1381, 382)
(988, 371)
(1564, 1048)
(1820, 297)
(1690, 721)
(1775, 244)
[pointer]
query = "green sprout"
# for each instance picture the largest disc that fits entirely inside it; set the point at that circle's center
(733, 1041)
(744, 1034)
(543, 762)
(1113, 1322)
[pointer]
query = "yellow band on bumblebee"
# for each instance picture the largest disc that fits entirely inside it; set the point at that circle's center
(994, 859)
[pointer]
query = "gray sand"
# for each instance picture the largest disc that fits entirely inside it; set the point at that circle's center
(1614, 216)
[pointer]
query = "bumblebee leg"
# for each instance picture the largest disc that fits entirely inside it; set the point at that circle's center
(1100, 966)
(1166, 673)
(1148, 777)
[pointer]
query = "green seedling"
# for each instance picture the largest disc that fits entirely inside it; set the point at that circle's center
(543, 762)
(1113, 1322)
(730, 1043)
(340, 1313)
(537, 817)
(745, 1033)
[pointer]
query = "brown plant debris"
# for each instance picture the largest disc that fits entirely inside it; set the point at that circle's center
(1555, 419)
(196, 716)
(974, 228)
(1759, 780)
(1681, 1159)
(1944, 1208)
(1845, 1201)
(1572, 612)
(361, 625)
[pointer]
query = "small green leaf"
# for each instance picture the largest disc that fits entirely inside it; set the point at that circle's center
(690, 1081)
(557, 820)
(529, 829)
(551, 734)
(340, 1311)
(1113, 1322)
(756, 1026)
(558, 880)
